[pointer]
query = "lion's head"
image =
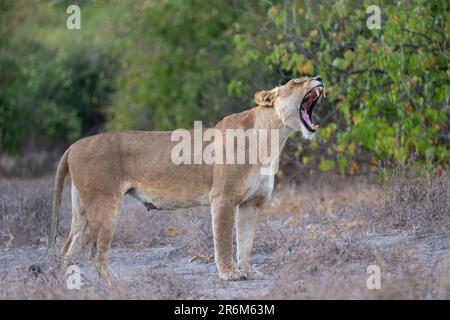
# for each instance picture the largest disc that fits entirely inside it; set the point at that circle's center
(295, 102)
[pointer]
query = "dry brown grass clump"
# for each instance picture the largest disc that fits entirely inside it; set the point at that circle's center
(418, 202)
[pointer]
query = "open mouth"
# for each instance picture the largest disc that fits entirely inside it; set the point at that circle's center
(307, 107)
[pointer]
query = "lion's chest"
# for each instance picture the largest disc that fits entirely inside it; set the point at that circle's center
(260, 186)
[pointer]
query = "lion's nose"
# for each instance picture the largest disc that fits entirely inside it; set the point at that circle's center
(318, 78)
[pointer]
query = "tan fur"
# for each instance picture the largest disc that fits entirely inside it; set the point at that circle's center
(107, 166)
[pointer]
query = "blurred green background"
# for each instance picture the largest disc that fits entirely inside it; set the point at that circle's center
(160, 65)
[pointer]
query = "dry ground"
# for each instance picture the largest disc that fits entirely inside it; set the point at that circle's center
(315, 242)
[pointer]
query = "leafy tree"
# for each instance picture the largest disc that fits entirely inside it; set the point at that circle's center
(178, 70)
(46, 90)
(388, 88)
(153, 65)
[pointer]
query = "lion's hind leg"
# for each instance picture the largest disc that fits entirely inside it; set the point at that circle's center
(102, 218)
(78, 226)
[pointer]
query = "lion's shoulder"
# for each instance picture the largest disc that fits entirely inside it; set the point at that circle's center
(242, 120)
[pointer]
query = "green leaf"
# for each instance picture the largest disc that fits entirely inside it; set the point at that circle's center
(326, 165)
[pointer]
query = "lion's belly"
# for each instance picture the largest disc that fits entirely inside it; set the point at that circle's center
(169, 198)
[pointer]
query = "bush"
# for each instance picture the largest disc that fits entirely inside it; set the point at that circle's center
(47, 91)
(162, 65)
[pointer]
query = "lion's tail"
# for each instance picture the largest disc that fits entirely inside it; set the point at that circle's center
(61, 172)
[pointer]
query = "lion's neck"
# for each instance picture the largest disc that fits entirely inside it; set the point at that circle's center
(268, 118)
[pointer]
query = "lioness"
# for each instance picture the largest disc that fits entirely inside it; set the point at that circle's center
(107, 166)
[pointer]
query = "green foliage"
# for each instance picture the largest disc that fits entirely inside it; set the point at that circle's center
(178, 72)
(47, 91)
(388, 89)
(161, 65)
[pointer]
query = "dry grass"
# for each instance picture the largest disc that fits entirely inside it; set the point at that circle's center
(419, 204)
(315, 242)
(25, 207)
(402, 225)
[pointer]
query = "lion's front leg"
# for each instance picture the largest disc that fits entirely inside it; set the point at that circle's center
(247, 220)
(222, 223)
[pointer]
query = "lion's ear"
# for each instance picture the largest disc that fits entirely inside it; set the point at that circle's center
(265, 98)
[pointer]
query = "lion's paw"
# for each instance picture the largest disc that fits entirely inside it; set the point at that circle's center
(232, 275)
(252, 274)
